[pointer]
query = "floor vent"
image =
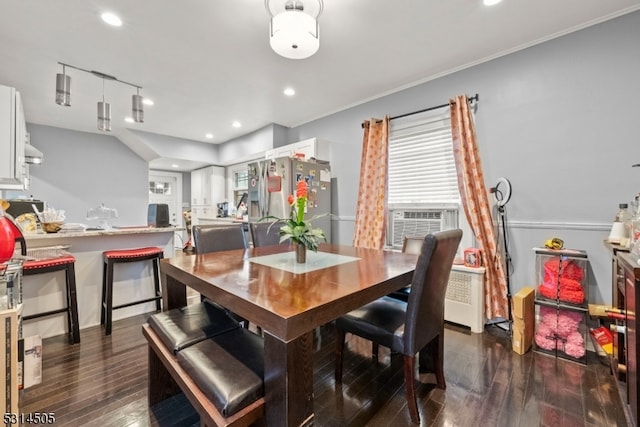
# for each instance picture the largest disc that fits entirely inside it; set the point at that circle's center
(464, 302)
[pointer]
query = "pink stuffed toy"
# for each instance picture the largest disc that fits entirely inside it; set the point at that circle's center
(562, 281)
(559, 330)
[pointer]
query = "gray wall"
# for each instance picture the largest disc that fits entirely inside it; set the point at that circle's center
(82, 170)
(556, 119)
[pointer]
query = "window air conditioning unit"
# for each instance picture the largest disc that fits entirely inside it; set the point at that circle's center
(464, 301)
(420, 222)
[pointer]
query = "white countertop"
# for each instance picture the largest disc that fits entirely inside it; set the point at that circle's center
(222, 219)
(108, 232)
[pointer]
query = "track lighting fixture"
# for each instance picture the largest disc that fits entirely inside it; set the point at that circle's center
(104, 113)
(137, 109)
(63, 88)
(63, 96)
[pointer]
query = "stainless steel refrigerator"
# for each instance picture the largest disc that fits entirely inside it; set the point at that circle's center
(272, 181)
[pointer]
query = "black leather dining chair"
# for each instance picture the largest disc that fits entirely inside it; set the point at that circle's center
(262, 235)
(409, 327)
(410, 245)
(218, 237)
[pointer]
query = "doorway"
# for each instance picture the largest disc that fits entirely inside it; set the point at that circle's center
(166, 187)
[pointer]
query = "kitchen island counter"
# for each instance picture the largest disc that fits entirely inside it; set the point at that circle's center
(132, 281)
(116, 231)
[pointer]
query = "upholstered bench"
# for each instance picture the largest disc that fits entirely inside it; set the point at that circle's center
(185, 326)
(222, 377)
(228, 368)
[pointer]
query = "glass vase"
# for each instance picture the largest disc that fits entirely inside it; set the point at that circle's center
(301, 253)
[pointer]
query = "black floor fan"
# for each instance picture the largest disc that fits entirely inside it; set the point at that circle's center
(502, 194)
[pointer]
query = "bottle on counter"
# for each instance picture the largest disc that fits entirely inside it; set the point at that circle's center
(624, 215)
(621, 228)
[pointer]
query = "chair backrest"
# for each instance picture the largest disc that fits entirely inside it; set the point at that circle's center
(412, 244)
(425, 309)
(261, 235)
(215, 238)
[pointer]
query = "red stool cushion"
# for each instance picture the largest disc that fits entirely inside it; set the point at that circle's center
(133, 253)
(49, 262)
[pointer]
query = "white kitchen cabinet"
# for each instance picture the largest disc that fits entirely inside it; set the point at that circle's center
(207, 190)
(13, 131)
(312, 147)
(197, 190)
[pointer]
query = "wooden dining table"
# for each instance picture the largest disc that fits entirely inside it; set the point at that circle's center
(287, 301)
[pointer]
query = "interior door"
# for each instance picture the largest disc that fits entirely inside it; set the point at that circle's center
(166, 187)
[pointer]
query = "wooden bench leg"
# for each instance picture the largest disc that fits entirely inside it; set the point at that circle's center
(161, 384)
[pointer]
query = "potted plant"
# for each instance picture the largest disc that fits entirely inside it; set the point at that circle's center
(296, 228)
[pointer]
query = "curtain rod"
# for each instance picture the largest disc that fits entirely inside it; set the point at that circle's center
(475, 98)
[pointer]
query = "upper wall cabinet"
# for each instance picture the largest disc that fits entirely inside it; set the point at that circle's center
(13, 130)
(312, 147)
(207, 186)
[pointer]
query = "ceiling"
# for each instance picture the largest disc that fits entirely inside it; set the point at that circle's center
(206, 64)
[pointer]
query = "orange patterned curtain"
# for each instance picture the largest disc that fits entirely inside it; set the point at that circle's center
(371, 210)
(476, 205)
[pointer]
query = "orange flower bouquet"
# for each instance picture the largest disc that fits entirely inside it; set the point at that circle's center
(296, 228)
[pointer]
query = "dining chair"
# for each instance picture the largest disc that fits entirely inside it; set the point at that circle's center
(261, 235)
(218, 237)
(409, 327)
(410, 245)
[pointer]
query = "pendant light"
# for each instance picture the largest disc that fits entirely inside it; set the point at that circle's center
(63, 88)
(137, 109)
(63, 83)
(294, 31)
(104, 113)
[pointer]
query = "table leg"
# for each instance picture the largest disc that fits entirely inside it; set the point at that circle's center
(174, 293)
(288, 372)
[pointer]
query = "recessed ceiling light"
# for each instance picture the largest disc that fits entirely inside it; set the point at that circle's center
(289, 91)
(236, 124)
(128, 119)
(111, 19)
(209, 136)
(147, 101)
(491, 2)
(175, 165)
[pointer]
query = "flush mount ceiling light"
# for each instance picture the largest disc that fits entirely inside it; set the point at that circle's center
(294, 32)
(63, 96)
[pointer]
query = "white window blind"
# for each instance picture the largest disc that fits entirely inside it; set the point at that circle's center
(422, 171)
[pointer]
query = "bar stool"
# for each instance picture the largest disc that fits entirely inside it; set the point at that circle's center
(64, 263)
(119, 256)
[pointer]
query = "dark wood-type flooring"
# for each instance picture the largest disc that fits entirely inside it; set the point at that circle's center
(102, 382)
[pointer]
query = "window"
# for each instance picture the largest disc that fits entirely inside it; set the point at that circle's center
(241, 179)
(423, 192)
(161, 188)
(240, 184)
